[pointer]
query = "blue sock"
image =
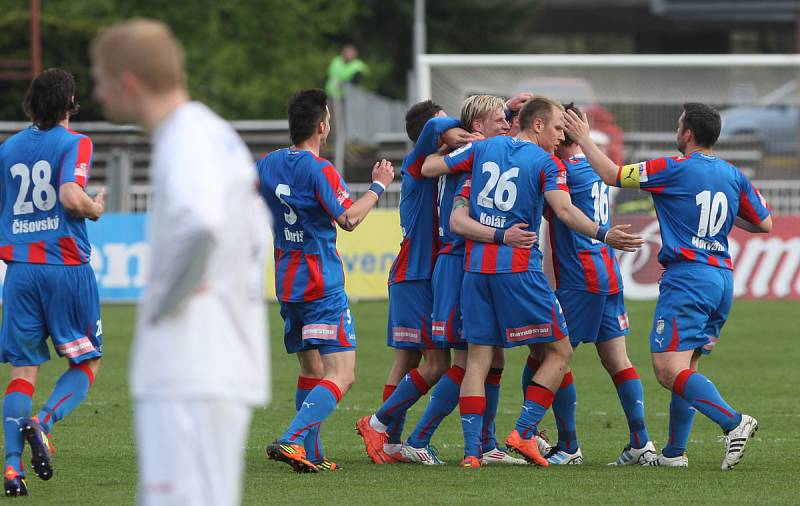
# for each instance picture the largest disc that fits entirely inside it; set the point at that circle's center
(564, 411)
(492, 389)
(705, 398)
(631, 396)
(318, 405)
(16, 404)
(531, 366)
(411, 388)
(313, 442)
(537, 401)
(444, 399)
(71, 389)
(681, 416)
(472, 409)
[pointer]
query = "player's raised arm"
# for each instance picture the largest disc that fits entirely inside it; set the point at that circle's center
(616, 237)
(382, 176)
(578, 130)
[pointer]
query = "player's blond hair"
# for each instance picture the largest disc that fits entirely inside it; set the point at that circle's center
(145, 48)
(478, 107)
(540, 107)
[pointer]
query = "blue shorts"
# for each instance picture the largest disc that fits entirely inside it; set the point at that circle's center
(693, 303)
(324, 324)
(593, 318)
(409, 325)
(448, 276)
(60, 301)
(512, 309)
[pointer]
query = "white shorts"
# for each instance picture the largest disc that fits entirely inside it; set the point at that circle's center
(191, 452)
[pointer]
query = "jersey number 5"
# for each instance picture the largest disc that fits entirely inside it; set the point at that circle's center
(282, 190)
(505, 193)
(43, 195)
(712, 213)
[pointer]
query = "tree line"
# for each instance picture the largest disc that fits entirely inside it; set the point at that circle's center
(245, 58)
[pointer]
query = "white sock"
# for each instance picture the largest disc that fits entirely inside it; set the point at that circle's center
(377, 425)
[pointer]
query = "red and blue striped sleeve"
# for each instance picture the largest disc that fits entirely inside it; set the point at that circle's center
(652, 176)
(554, 175)
(752, 205)
(331, 191)
(77, 162)
(461, 159)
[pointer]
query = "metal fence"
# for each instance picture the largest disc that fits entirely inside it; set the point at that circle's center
(783, 196)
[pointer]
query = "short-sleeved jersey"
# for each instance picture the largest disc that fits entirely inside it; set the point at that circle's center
(509, 178)
(580, 262)
(35, 226)
(697, 200)
(305, 195)
(450, 185)
(418, 213)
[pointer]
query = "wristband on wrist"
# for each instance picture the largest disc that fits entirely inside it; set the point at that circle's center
(377, 188)
(602, 232)
(499, 235)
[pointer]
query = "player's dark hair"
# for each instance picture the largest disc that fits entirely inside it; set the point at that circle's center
(306, 110)
(50, 97)
(570, 107)
(418, 115)
(704, 121)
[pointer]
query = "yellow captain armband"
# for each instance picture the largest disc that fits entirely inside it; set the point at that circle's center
(630, 176)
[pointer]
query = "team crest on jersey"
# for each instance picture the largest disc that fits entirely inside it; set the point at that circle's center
(660, 326)
(81, 170)
(562, 177)
(341, 195)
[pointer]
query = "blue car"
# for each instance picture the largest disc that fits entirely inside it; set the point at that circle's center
(774, 121)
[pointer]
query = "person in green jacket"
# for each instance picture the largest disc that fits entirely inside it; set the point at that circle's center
(346, 67)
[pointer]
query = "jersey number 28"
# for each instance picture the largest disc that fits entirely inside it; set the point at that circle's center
(43, 195)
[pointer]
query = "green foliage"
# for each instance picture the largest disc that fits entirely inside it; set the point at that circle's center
(246, 58)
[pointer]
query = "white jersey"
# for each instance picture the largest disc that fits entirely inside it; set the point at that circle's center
(201, 329)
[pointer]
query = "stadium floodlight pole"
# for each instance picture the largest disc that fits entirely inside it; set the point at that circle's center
(36, 39)
(420, 42)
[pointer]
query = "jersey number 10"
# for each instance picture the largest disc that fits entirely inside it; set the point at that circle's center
(712, 213)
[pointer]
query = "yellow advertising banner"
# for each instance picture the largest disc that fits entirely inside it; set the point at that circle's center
(367, 255)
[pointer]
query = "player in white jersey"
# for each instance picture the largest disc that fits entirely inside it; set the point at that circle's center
(199, 361)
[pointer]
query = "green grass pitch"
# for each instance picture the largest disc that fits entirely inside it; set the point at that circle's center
(755, 366)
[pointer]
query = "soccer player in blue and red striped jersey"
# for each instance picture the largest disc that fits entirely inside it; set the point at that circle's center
(50, 288)
(410, 295)
(482, 114)
(698, 199)
(589, 287)
(308, 198)
(506, 301)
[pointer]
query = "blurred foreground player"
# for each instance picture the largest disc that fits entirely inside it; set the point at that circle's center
(50, 288)
(698, 199)
(199, 359)
(308, 199)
